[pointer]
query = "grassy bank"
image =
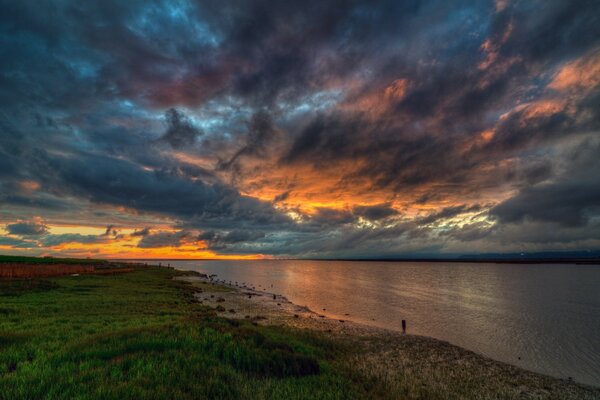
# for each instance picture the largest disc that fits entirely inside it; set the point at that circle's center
(145, 335)
(141, 335)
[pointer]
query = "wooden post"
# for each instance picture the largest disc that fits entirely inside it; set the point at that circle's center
(404, 326)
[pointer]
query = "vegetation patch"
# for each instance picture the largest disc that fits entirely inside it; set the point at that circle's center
(17, 287)
(141, 335)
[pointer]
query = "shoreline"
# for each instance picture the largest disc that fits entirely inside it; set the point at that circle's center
(388, 354)
(278, 309)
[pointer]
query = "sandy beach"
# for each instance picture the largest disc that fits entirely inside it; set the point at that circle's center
(406, 363)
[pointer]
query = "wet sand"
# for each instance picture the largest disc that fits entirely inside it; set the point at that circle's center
(410, 366)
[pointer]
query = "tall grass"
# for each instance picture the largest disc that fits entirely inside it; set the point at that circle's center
(26, 270)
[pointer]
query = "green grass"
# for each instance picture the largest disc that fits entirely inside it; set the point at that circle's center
(141, 336)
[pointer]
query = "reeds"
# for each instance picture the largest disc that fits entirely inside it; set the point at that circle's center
(23, 270)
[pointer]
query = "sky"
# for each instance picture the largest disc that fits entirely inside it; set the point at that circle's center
(334, 129)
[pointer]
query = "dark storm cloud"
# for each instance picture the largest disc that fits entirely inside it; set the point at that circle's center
(375, 212)
(141, 232)
(518, 131)
(549, 30)
(451, 99)
(571, 199)
(43, 239)
(272, 46)
(220, 241)
(325, 217)
(260, 133)
(391, 159)
(337, 242)
(163, 239)
(38, 201)
(446, 100)
(56, 240)
(119, 182)
(326, 138)
(7, 169)
(568, 203)
(180, 130)
(111, 231)
(27, 228)
(332, 216)
(281, 197)
(18, 243)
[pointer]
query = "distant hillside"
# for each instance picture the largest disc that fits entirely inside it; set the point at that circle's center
(550, 257)
(545, 255)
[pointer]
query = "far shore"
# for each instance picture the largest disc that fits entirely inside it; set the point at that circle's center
(396, 358)
(578, 261)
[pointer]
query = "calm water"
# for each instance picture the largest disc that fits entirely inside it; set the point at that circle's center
(548, 315)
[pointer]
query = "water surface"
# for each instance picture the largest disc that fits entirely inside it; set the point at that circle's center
(544, 318)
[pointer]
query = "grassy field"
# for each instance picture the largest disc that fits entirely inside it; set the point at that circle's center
(140, 335)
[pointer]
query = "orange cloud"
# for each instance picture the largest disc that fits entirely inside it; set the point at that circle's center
(491, 47)
(376, 103)
(544, 108)
(501, 5)
(581, 74)
(29, 186)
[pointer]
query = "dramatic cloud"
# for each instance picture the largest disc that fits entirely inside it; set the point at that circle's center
(572, 199)
(222, 241)
(375, 212)
(27, 228)
(180, 131)
(319, 129)
(141, 232)
(56, 240)
(163, 239)
(16, 243)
